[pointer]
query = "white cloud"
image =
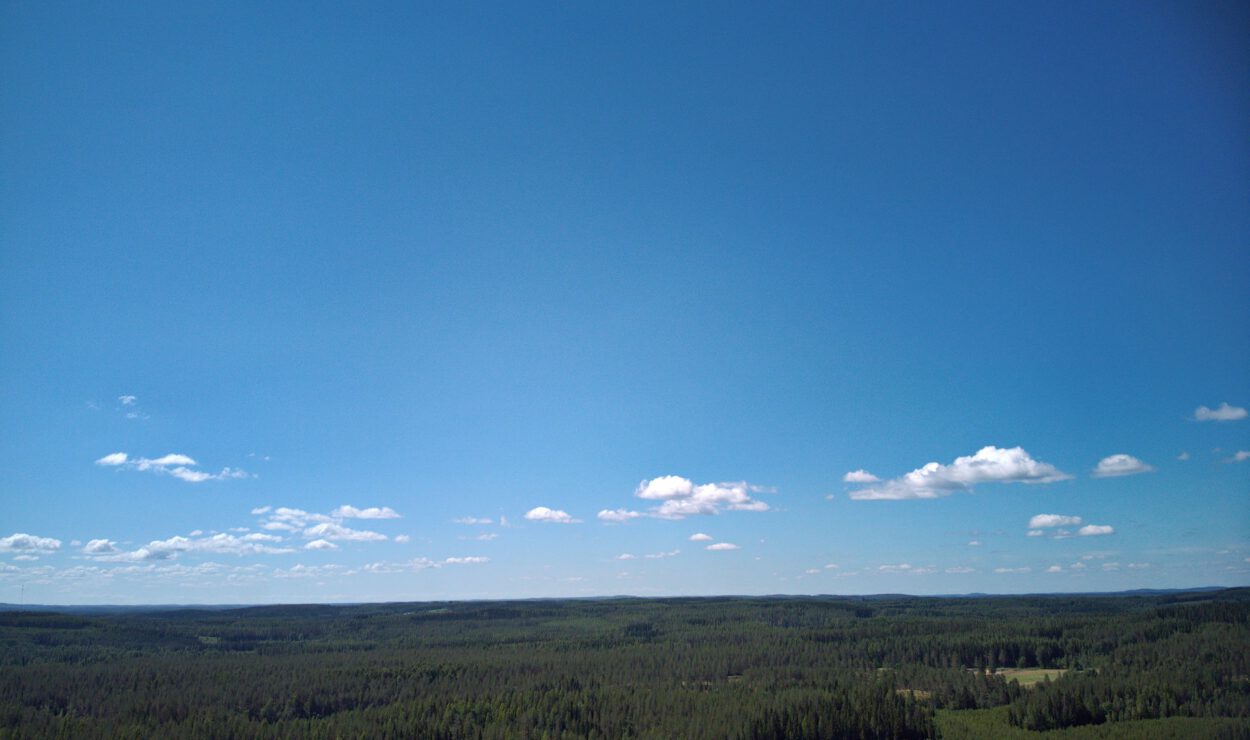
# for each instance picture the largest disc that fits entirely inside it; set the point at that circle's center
(22, 542)
(544, 514)
(221, 543)
(907, 568)
(1239, 456)
(988, 465)
(262, 510)
(334, 531)
(1013, 570)
(471, 560)
(255, 537)
(1222, 413)
(401, 538)
(127, 400)
(175, 464)
(1078, 565)
(831, 566)
(1110, 566)
(625, 556)
(661, 555)
(486, 536)
(618, 515)
(1036, 533)
(1183, 456)
(961, 569)
(974, 543)
(1138, 566)
(680, 497)
(321, 545)
(1042, 521)
(347, 511)
(1055, 569)
(722, 546)
(1114, 466)
(472, 520)
(860, 476)
(99, 547)
(1094, 530)
(700, 537)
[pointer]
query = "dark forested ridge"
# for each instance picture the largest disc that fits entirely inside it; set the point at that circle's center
(1164, 664)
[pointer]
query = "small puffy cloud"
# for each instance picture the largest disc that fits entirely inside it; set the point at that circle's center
(347, 511)
(1036, 533)
(722, 546)
(171, 459)
(1078, 565)
(116, 458)
(1239, 456)
(1013, 570)
(1114, 466)
(1055, 569)
(974, 543)
(860, 476)
(99, 547)
(321, 545)
(1183, 456)
(960, 570)
(831, 566)
(334, 531)
(661, 555)
(254, 537)
(1223, 412)
(127, 400)
(401, 538)
(625, 556)
(700, 537)
(1138, 566)
(472, 520)
(22, 542)
(544, 514)
(1095, 530)
(262, 510)
(988, 465)
(1043, 521)
(1110, 566)
(470, 560)
(487, 536)
(618, 515)
(681, 497)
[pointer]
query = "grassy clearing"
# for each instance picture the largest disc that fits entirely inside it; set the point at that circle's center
(1030, 676)
(991, 724)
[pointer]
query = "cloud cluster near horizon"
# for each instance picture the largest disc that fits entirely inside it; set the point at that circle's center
(989, 465)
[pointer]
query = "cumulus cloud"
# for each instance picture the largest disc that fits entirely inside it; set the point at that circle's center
(625, 556)
(722, 546)
(700, 537)
(1114, 466)
(347, 511)
(401, 538)
(988, 465)
(661, 555)
(1055, 569)
(321, 545)
(544, 514)
(472, 520)
(1239, 456)
(218, 544)
(1095, 530)
(681, 497)
(860, 476)
(1012, 570)
(1183, 456)
(470, 560)
(618, 515)
(1043, 521)
(175, 464)
(127, 400)
(22, 542)
(1223, 412)
(335, 531)
(99, 547)
(961, 569)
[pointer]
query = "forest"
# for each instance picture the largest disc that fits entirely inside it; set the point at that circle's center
(1073, 666)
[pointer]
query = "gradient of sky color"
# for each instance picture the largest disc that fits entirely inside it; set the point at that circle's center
(322, 302)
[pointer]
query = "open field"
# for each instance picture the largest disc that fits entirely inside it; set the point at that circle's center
(1030, 676)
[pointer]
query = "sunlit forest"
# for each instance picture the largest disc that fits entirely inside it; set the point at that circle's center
(1131, 665)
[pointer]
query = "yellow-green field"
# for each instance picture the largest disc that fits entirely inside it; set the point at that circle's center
(1030, 676)
(991, 724)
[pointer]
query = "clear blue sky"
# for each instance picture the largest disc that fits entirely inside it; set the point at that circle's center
(289, 293)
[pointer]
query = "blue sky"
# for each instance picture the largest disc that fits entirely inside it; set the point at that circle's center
(309, 302)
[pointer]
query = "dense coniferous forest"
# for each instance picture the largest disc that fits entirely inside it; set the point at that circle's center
(1151, 665)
